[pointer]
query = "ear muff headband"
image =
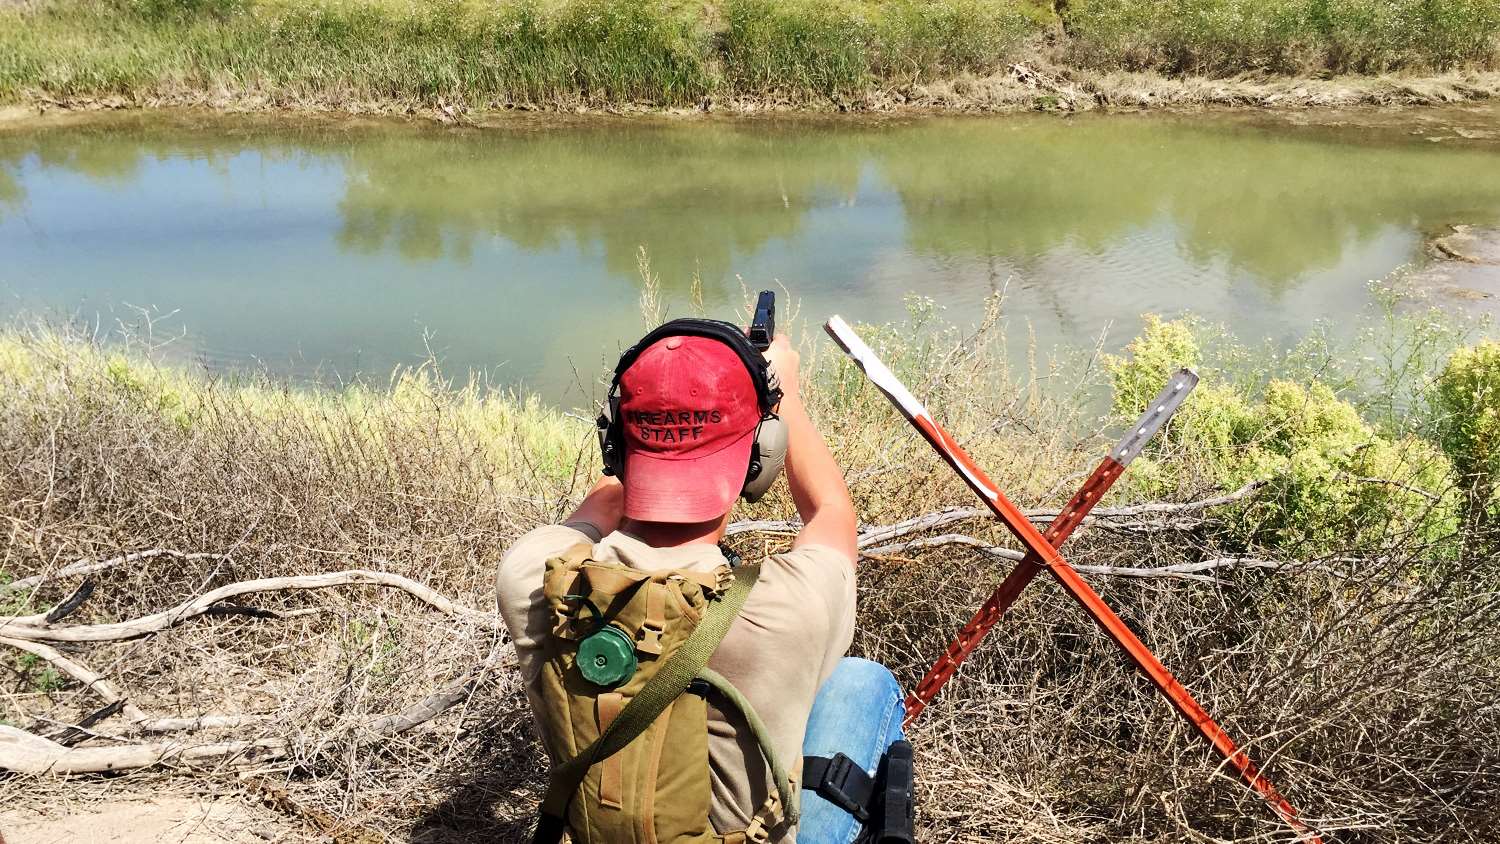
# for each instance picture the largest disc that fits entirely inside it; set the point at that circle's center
(727, 333)
(767, 453)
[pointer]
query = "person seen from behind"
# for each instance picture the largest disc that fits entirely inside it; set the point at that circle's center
(676, 688)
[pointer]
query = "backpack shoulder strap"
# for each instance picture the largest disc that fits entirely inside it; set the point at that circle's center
(670, 680)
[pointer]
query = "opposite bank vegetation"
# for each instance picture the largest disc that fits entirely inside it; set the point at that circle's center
(285, 593)
(457, 56)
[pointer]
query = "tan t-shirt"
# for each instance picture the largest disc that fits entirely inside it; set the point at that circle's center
(795, 625)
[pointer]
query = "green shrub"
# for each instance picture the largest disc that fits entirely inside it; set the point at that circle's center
(1331, 482)
(1334, 483)
(1162, 348)
(1467, 398)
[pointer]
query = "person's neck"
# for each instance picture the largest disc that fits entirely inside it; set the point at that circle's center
(671, 535)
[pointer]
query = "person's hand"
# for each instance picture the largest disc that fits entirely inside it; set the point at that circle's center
(784, 362)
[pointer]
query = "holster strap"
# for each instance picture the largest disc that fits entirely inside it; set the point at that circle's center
(841, 782)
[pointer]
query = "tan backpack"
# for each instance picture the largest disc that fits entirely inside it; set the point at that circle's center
(623, 704)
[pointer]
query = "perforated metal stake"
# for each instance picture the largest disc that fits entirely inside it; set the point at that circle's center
(1046, 554)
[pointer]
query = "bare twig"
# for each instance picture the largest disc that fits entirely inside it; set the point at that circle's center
(21, 628)
(1157, 508)
(90, 566)
(439, 702)
(1415, 490)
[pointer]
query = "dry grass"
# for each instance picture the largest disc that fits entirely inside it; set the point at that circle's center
(1045, 86)
(1368, 686)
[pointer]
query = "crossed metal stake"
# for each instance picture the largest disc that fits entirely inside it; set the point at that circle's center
(1041, 554)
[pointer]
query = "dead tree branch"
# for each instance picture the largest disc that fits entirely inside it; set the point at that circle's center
(26, 752)
(873, 535)
(199, 722)
(24, 627)
(29, 753)
(945, 539)
(91, 680)
(1180, 571)
(1161, 508)
(90, 566)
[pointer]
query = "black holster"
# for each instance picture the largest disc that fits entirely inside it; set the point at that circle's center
(895, 810)
(884, 804)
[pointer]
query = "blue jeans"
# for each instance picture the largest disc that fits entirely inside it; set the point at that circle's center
(858, 712)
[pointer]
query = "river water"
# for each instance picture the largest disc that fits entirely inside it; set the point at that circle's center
(328, 250)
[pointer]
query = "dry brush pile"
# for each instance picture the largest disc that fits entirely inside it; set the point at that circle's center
(286, 594)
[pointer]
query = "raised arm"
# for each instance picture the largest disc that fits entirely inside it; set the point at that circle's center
(816, 481)
(602, 507)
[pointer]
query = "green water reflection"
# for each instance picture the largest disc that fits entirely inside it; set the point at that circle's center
(332, 248)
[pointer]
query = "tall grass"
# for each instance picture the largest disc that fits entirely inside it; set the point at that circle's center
(590, 51)
(792, 48)
(1222, 37)
(670, 53)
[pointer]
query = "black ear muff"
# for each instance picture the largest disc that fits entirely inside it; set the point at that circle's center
(611, 437)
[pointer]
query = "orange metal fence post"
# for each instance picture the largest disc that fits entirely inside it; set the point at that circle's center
(1037, 545)
(1070, 517)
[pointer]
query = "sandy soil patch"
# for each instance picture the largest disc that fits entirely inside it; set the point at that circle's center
(165, 820)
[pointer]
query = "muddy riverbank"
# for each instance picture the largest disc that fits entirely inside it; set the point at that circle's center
(1464, 272)
(1020, 87)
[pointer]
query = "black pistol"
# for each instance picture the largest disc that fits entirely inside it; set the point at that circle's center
(763, 326)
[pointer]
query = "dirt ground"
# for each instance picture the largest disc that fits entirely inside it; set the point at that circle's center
(165, 820)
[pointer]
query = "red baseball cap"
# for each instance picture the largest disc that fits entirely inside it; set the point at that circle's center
(689, 413)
